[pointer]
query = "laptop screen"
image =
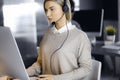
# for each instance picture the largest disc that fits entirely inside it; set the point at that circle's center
(11, 62)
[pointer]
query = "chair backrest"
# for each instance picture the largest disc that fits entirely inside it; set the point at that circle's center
(96, 70)
(76, 24)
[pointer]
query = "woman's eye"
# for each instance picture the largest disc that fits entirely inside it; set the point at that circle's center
(52, 9)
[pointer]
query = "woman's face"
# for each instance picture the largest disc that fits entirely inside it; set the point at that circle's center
(53, 11)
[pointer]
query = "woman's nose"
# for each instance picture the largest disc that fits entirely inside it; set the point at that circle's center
(48, 14)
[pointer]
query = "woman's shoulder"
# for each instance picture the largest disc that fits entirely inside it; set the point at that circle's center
(79, 32)
(47, 31)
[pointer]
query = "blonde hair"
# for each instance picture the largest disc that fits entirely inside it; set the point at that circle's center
(61, 2)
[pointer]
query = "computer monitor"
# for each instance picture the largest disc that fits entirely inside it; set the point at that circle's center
(91, 21)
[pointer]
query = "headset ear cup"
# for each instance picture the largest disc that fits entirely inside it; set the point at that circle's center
(65, 8)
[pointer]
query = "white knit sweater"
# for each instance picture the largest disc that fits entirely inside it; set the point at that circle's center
(65, 53)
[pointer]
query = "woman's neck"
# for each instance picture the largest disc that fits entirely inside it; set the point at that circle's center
(61, 23)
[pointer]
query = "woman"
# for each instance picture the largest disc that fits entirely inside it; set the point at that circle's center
(65, 51)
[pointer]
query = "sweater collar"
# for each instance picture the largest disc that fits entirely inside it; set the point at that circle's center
(63, 29)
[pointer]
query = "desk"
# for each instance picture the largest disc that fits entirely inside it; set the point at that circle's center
(103, 50)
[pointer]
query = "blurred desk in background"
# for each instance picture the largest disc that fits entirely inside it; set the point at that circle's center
(107, 50)
(111, 50)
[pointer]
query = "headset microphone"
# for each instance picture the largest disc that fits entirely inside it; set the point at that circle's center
(53, 23)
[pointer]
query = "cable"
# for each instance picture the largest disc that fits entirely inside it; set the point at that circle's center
(58, 48)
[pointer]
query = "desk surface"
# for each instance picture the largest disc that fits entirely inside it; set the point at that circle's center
(106, 50)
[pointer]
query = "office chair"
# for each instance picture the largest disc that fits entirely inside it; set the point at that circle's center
(96, 70)
(76, 23)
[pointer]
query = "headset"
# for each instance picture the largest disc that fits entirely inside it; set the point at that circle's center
(65, 9)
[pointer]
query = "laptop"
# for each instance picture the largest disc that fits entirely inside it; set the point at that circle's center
(11, 62)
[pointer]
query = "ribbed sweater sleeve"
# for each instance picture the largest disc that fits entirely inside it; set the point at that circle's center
(34, 69)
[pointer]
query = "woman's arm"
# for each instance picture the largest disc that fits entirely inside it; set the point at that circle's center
(34, 69)
(5, 78)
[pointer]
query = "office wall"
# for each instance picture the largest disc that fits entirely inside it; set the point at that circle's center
(118, 58)
(10, 2)
(91, 4)
(110, 7)
(20, 17)
(119, 19)
(1, 13)
(41, 21)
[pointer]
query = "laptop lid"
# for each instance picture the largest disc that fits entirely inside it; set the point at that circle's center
(11, 62)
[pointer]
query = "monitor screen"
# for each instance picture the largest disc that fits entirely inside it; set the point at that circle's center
(91, 21)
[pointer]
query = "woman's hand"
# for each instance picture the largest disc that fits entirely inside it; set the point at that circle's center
(46, 77)
(5, 78)
(34, 78)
